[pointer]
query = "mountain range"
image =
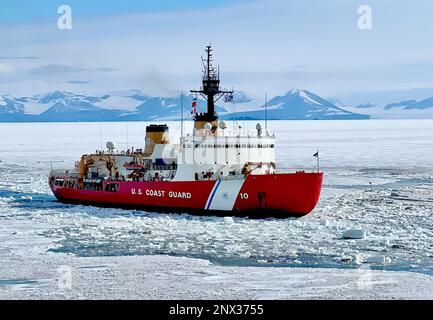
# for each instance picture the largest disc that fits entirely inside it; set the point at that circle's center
(407, 109)
(298, 104)
(134, 105)
(130, 105)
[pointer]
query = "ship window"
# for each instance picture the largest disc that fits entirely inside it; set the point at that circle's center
(112, 187)
(70, 184)
(227, 145)
(272, 145)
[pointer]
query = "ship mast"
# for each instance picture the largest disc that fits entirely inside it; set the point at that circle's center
(210, 89)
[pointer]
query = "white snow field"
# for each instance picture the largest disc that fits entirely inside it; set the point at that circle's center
(378, 179)
(165, 277)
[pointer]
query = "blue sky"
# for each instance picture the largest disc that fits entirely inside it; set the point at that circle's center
(18, 11)
(261, 45)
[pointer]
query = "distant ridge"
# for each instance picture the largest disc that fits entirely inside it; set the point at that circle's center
(135, 105)
(298, 104)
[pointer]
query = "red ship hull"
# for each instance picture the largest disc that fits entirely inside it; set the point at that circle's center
(273, 195)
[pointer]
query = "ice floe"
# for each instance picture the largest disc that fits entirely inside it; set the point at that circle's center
(354, 233)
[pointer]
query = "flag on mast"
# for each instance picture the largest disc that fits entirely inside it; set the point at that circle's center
(194, 106)
(228, 97)
(317, 156)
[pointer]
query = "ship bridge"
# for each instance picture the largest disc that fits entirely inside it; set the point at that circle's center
(211, 157)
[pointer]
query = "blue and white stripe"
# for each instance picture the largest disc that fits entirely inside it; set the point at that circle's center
(224, 194)
(212, 194)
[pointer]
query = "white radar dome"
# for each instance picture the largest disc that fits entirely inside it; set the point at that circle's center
(208, 126)
(223, 125)
(111, 145)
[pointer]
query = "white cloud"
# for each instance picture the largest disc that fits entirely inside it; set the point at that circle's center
(54, 69)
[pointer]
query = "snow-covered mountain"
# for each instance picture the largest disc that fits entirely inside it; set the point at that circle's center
(407, 109)
(134, 105)
(298, 104)
(336, 102)
(166, 108)
(50, 97)
(130, 105)
(9, 105)
(412, 104)
(126, 100)
(70, 106)
(367, 105)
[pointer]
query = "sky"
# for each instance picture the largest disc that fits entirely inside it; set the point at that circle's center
(262, 46)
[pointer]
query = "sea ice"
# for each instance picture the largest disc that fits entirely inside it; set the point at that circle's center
(354, 233)
(376, 259)
(324, 222)
(37, 234)
(228, 220)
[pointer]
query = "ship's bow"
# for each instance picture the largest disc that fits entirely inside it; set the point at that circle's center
(287, 194)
